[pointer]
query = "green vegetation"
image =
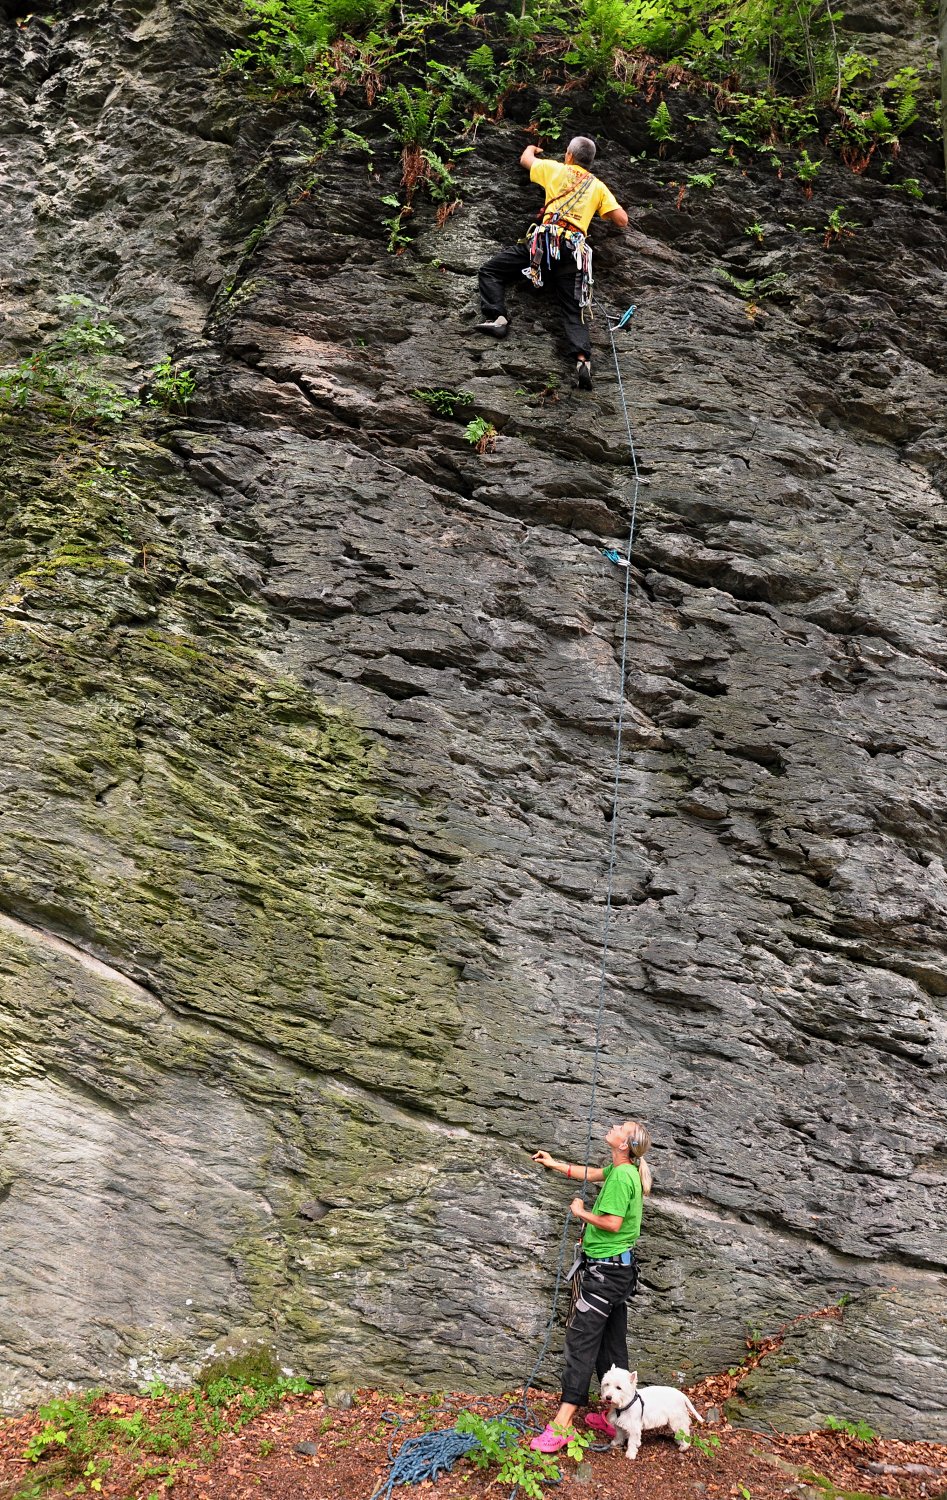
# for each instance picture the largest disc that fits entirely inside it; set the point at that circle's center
(807, 171)
(499, 1447)
(178, 1429)
(444, 402)
(859, 1430)
(481, 434)
(837, 227)
(65, 378)
(705, 1446)
(661, 127)
(830, 1492)
(171, 386)
(769, 65)
(754, 289)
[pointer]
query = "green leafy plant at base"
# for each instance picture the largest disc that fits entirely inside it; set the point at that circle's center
(481, 434)
(705, 1446)
(76, 1432)
(852, 1429)
(65, 377)
(172, 387)
(444, 402)
(499, 1444)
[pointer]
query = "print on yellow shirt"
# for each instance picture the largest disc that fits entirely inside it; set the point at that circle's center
(572, 193)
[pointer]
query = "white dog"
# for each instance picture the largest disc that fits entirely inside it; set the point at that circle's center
(654, 1406)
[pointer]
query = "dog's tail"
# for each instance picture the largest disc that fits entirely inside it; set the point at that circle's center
(693, 1409)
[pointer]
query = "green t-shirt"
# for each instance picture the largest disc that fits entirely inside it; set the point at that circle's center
(621, 1195)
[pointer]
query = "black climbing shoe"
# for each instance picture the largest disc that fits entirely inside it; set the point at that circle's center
(497, 329)
(583, 374)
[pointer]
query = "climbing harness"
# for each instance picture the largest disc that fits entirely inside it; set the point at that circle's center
(435, 1453)
(550, 241)
(556, 229)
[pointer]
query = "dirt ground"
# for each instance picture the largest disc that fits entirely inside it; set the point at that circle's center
(351, 1459)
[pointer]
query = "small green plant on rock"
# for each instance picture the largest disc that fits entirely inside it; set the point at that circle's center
(837, 227)
(860, 1430)
(398, 240)
(171, 386)
(661, 127)
(65, 378)
(481, 434)
(444, 402)
(755, 231)
(807, 171)
(911, 186)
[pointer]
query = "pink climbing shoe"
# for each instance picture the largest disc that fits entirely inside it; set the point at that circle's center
(550, 1441)
(600, 1423)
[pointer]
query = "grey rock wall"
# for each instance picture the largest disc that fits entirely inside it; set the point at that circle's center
(309, 731)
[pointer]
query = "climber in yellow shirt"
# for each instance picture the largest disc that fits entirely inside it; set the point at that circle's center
(556, 248)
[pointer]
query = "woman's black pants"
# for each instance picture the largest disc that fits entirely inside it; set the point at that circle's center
(597, 1328)
(561, 276)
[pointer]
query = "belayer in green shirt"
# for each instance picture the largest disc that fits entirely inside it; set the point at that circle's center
(605, 1276)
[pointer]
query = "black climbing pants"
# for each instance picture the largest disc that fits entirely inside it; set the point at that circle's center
(561, 276)
(597, 1328)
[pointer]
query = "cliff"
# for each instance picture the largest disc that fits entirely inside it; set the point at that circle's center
(308, 731)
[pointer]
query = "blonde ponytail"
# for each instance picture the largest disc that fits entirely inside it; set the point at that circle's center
(639, 1141)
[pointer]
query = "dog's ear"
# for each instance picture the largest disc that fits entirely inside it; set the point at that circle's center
(633, 1376)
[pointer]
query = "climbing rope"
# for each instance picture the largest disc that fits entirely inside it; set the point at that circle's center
(615, 322)
(435, 1453)
(424, 1457)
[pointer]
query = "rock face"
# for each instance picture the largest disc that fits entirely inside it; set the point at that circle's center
(309, 733)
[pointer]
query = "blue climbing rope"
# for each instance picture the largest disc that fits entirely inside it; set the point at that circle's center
(424, 1457)
(435, 1453)
(615, 322)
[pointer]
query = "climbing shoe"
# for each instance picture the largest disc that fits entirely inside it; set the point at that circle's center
(583, 374)
(498, 328)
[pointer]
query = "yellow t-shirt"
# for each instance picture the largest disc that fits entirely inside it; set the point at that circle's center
(572, 193)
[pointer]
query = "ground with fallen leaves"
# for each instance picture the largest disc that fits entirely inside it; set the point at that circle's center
(350, 1458)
